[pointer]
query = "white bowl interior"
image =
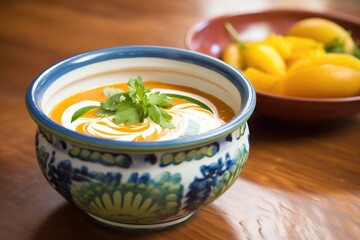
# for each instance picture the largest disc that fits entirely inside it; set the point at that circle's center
(149, 68)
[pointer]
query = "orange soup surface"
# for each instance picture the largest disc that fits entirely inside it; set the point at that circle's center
(187, 115)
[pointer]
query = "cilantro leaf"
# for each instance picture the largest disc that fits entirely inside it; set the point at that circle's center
(138, 90)
(128, 116)
(108, 92)
(160, 99)
(127, 112)
(136, 105)
(103, 113)
(160, 116)
(113, 101)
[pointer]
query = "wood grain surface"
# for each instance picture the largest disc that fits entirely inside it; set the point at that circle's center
(300, 182)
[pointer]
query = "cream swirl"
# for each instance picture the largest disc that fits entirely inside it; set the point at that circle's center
(188, 118)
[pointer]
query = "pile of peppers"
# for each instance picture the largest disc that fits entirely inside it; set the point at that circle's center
(297, 66)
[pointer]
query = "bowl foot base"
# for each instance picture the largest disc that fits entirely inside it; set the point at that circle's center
(140, 227)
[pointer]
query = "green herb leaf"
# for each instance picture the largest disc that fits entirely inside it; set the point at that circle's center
(335, 46)
(138, 90)
(190, 99)
(356, 50)
(128, 116)
(104, 113)
(81, 112)
(160, 116)
(136, 105)
(113, 101)
(160, 99)
(108, 92)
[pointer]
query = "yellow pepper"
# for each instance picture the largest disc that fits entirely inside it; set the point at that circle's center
(263, 81)
(302, 48)
(280, 45)
(297, 65)
(233, 56)
(304, 54)
(322, 30)
(259, 55)
(256, 55)
(325, 76)
(265, 58)
(298, 43)
(344, 60)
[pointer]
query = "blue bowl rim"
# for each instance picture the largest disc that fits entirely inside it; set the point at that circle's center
(41, 82)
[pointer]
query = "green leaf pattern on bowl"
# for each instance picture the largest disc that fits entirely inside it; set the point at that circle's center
(132, 201)
(193, 154)
(108, 159)
(123, 193)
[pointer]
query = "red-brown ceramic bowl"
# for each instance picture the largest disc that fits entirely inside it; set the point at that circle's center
(209, 36)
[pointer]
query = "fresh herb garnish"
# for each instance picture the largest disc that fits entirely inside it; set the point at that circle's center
(190, 99)
(81, 112)
(134, 106)
(109, 91)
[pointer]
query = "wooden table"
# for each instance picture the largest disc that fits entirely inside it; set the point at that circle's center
(299, 182)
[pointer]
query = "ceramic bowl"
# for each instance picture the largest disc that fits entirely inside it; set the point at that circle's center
(141, 186)
(210, 37)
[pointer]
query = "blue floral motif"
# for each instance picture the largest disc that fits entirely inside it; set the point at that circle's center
(216, 178)
(137, 197)
(46, 135)
(60, 177)
(140, 199)
(229, 138)
(151, 158)
(41, 154)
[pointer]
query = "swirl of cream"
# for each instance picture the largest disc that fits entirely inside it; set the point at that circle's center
(189, 119)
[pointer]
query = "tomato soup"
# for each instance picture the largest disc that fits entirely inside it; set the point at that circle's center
(193, 112)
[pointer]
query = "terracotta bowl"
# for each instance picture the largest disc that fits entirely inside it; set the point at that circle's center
(141, 186)
(210, 37)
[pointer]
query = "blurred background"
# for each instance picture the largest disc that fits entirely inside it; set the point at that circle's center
(299, 183)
